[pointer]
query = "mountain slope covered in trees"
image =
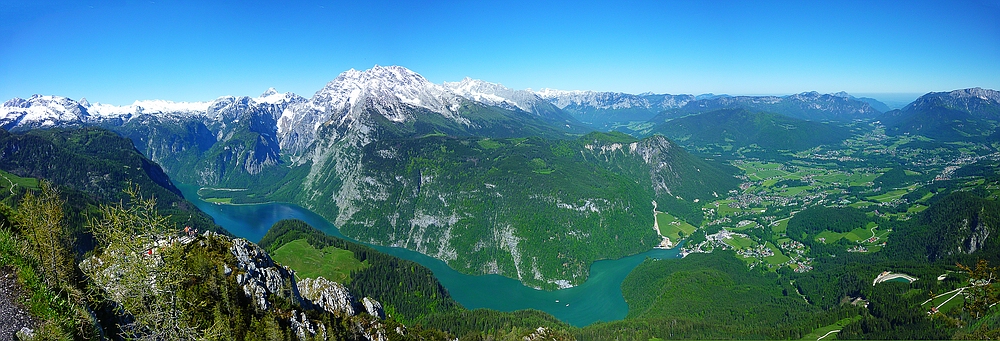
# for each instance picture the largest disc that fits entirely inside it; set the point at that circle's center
(529, 208)
(740, 127)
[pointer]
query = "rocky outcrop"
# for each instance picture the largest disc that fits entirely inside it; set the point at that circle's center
(305, 329)
(328, 295)
(14, 316)
(371, 329)
(373, 307)
(260, 277)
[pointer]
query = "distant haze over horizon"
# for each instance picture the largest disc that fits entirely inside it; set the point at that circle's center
(195, 51)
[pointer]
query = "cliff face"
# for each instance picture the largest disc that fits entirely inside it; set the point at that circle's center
(960, 224)
(261, 277)
(270, 287)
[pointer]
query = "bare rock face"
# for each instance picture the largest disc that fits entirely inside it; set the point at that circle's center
(371, 330)
(305, 329)
(260, 277)
(373, 307)
(331, 296)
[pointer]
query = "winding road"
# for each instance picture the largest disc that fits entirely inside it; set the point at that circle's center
(827, 334)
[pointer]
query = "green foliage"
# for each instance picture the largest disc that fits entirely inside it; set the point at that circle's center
(894, 313)
(813, 220)
(41, 220)
(309, 262)
(952, 229)
(557, 205)
(472, 324)
(741, 127)
(894, 178)
(57, 312)
(96, 165)
(982, 293)
(716, 294)
(128, 272)
(959, 222)
(405, 287)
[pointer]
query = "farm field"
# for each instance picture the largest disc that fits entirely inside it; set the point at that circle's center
(8, 180)
(673, 228)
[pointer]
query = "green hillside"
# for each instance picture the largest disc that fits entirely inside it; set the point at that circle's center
(407, 290)
(938, 122)
(95, 166)
(729, 129)
(533, 209)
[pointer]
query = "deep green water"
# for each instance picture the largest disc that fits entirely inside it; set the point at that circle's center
(899, 279)
(597, 299)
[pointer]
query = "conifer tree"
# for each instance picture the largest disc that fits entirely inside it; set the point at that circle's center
(40, 217)
(138, 269)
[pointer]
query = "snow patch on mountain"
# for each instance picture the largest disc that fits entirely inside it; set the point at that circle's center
(612, 100)
(42, 111)
(390, 91)
(495, 94)
(154, 107)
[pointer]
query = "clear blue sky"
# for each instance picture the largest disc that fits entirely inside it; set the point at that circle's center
(119, 51)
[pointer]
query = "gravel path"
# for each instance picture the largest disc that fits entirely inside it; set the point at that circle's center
(13, 315)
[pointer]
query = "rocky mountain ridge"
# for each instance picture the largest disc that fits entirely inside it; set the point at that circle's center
(948, 116)
(809, 106)
(973, 100)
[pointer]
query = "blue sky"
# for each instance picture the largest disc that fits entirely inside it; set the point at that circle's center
(119, 51)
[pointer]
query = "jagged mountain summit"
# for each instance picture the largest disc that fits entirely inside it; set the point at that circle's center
(948, 116)
(40, 111)
(978, 101)
(608, 109)
(809, 106)
(612, 110)
(499, 95)
(49, 111)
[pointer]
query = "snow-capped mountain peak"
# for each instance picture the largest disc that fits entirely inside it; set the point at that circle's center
(272, 96)
(612, 100)
(494, 94)
(156, 106)
(270, 91)
(39, 110)
(384, 86)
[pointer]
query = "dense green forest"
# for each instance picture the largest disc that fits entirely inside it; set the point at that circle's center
(816, 219)
(407, 289)
(720, 131)
(95, 165)
(715, 295)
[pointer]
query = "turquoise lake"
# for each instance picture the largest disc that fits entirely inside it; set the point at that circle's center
(597, 299)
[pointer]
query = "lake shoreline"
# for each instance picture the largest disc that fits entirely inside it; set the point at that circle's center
(599, 298)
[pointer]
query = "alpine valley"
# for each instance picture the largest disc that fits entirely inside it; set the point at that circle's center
(799, 216)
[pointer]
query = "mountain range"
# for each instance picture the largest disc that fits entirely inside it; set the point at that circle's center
(948, 116)
(473, 173)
